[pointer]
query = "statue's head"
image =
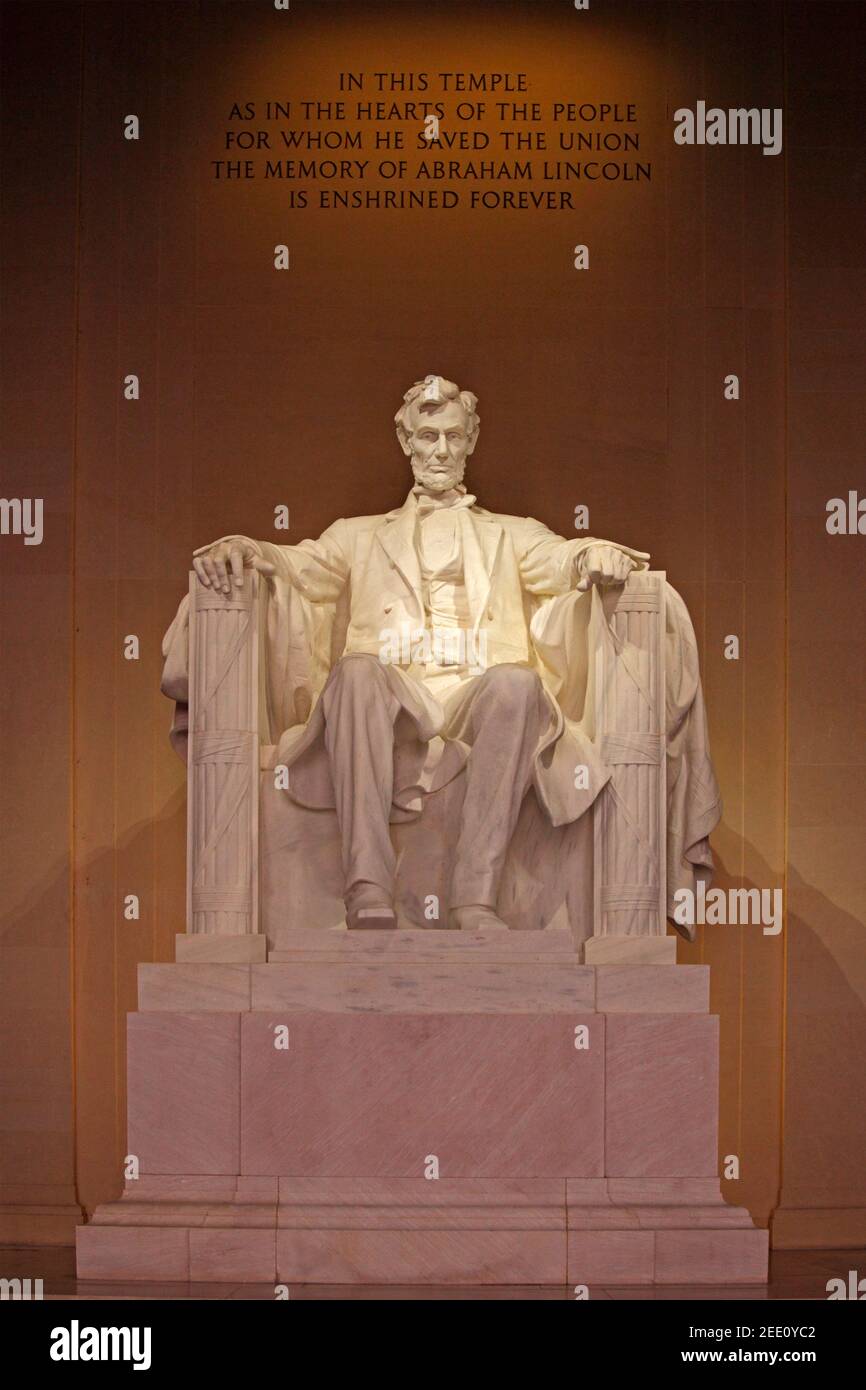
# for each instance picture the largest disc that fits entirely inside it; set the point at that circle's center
(437, 426)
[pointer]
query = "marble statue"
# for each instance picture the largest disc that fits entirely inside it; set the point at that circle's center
(463, 650)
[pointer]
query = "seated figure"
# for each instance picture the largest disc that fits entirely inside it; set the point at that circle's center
(462, 653)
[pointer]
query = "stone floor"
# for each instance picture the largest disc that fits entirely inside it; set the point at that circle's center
(794, 1274)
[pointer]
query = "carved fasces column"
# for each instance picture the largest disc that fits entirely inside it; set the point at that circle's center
(222, 775)
(630, 820)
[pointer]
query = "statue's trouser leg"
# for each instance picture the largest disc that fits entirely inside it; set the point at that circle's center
(508, 715)
(360, 711)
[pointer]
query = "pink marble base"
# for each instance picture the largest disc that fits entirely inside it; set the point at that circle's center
(410, 1230)
(312, 1162)
(487, 1095)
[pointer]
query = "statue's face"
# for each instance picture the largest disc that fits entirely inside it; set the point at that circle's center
(440, 447)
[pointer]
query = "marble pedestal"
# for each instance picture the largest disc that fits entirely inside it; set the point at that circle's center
(289, 1118)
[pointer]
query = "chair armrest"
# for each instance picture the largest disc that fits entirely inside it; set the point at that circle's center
(630, 815)
(226, 711)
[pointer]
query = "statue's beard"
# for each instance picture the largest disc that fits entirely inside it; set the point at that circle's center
(449, 478)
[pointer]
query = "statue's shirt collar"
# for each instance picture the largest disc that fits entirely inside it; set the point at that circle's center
(458, 497)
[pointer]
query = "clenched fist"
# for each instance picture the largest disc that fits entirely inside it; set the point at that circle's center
(212, 563)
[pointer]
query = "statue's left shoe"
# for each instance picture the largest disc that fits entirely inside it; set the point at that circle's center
(380, 918)
(475, 916)
(369, 908)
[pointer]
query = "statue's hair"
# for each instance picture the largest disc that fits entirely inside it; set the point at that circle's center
(441, 391)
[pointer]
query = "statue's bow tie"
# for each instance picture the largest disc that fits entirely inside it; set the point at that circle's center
(432, 504)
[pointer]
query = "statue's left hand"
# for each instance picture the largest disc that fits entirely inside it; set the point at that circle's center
(604, 564)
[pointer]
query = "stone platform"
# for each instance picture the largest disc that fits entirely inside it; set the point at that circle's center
(290, 1118)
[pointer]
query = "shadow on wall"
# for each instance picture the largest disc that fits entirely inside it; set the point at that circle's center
(825, 1116)
(816, 969)
(64, 1087)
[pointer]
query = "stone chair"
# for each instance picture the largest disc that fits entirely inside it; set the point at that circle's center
(260, 865)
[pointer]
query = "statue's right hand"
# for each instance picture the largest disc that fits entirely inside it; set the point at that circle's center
(213, 562)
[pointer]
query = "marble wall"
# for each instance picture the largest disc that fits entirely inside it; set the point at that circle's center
(602, 388)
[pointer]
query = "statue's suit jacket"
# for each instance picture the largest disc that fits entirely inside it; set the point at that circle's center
(509, 564)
